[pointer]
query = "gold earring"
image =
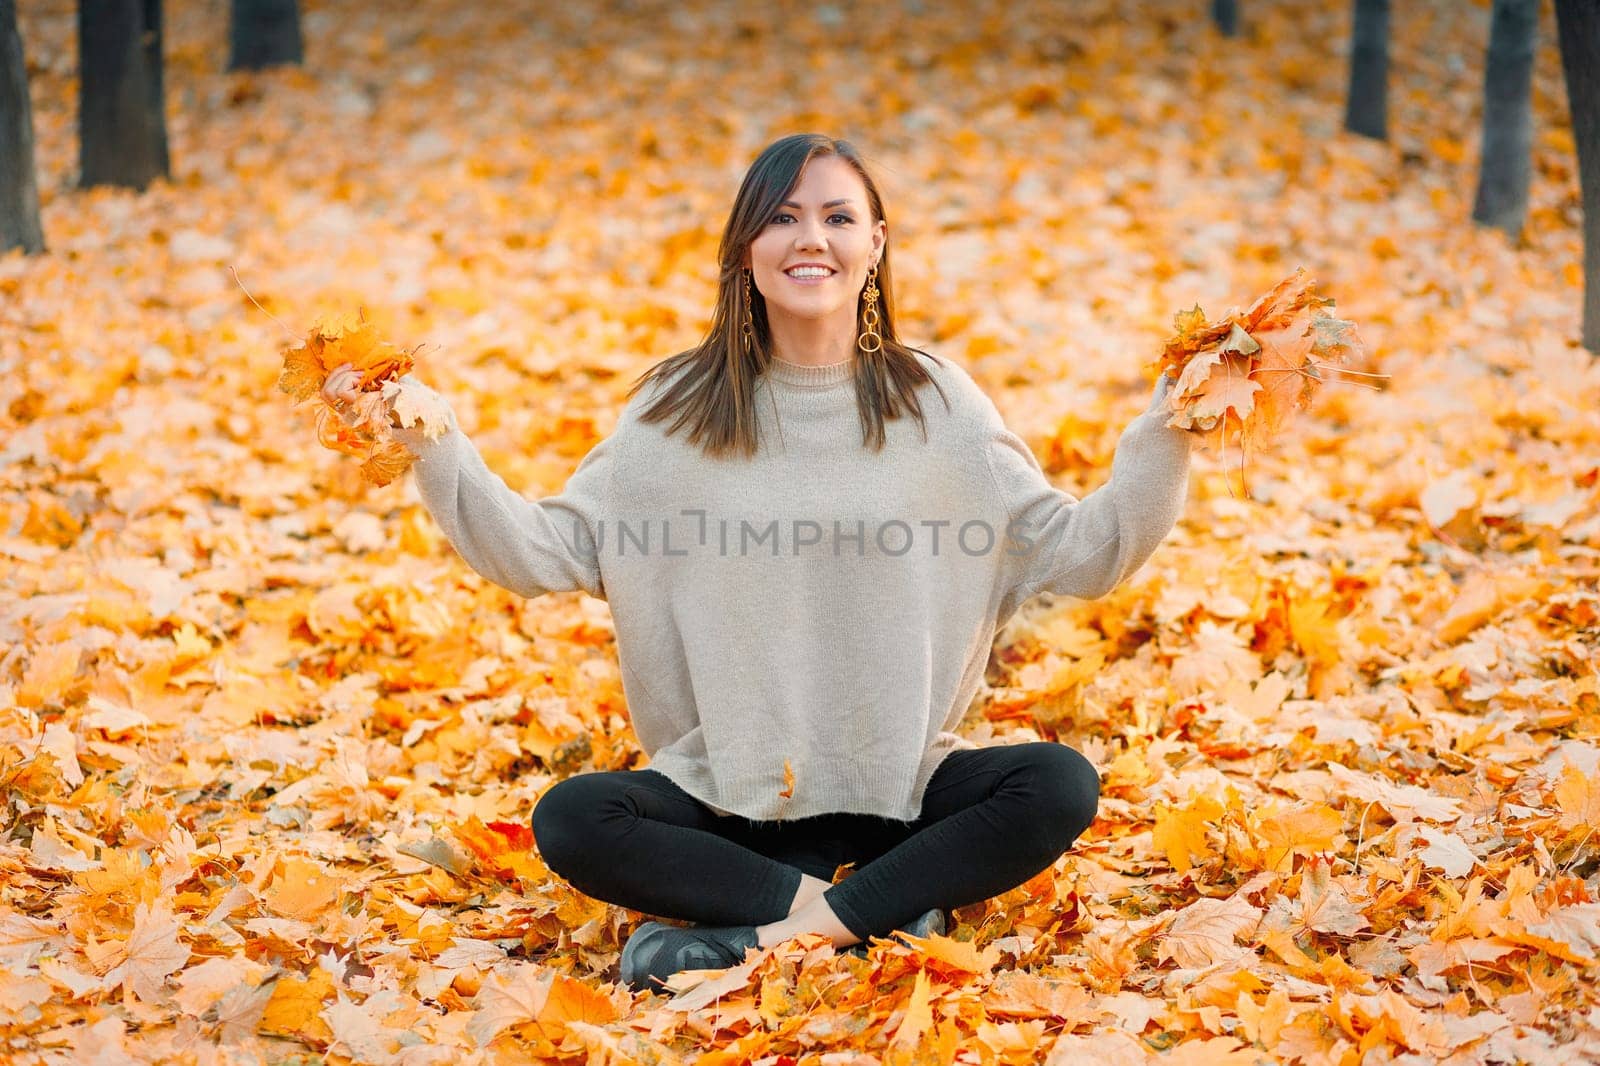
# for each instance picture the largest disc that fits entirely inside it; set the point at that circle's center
(748, 328)
(747, 331)
(869, 340)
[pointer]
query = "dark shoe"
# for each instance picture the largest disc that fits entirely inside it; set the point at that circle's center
(656, 951)
(928, 923)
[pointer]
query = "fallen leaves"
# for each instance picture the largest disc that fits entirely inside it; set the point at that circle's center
(268, 751)
(542, 1005)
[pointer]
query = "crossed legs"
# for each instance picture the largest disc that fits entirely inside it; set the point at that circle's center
(991, 818)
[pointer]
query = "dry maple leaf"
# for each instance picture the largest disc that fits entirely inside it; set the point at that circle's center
(295, 1006)
(512, 996)
(1323, 906)
(151, 953)
(1203, 932)
(918, 1015)
(1243, 376)
(361, 427)
(1182, 834)
(302, 890)
(334, 342)
(948, 953)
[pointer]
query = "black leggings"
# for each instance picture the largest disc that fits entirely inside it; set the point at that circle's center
(991, 818)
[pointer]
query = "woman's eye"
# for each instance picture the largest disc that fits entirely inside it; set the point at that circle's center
(784, 214)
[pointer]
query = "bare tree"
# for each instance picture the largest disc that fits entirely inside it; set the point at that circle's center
(1578, 28)
(264, 33)
(19, 194)
(122, 124)
(1367, 105)
(1505, 168)
(1225, 14)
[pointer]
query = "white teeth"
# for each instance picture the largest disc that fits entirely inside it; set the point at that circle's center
(809, 272)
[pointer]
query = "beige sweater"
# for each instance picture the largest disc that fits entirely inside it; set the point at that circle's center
(819, 605)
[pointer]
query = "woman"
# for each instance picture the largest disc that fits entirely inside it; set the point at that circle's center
(805, 587)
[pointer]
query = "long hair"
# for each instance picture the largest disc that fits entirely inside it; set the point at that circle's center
(715, 395)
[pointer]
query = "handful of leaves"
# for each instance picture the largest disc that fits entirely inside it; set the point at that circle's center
(357, 421)
(1244, 375)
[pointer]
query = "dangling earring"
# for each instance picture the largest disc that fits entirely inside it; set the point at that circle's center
(868, 340)
(747, 331)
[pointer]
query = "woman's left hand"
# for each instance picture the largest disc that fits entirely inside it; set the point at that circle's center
(1158, 397)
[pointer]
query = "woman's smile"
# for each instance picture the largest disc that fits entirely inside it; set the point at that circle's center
(809, 273)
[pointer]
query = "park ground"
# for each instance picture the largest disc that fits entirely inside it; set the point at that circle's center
(268, 748)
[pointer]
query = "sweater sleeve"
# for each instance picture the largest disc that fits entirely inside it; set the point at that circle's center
(1085, 548)
(528, 546)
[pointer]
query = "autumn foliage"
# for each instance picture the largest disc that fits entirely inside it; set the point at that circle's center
(268, 749)
(1243, 376)
(377, 367)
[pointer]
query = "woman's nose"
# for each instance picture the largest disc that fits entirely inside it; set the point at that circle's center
(810, 236)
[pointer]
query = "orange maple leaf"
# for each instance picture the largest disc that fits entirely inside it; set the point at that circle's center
(361, 427)
(1243, 376)
(573, 1001)
(332, 343)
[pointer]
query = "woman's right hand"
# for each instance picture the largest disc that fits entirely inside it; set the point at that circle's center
(341, 390)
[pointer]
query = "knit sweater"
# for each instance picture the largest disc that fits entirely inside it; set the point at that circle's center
(819, 608)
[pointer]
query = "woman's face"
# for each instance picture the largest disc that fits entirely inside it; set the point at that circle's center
(825, 221)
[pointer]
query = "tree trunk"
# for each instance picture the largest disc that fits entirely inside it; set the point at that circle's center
(264, 33)
(1578, 27)
(1225, 13)
(19, 195)
(122, 123)
(1367, 105)
(1506, 166)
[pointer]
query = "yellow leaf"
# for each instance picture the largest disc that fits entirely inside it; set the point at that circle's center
(302, 890)
(918, 1016)
(51, 672)
(1315, 632)
(388, 460)
(954, 954)
(573, 1001)
(1281, 944)
(1180, 833)
(295, 1009)
(123, 876)
(776, 1000)
(1578, 796)
(1305, 830)
(302, 375)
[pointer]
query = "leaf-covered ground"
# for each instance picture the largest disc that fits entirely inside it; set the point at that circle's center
(268, 749)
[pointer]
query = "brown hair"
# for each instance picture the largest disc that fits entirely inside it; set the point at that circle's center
(715, 396)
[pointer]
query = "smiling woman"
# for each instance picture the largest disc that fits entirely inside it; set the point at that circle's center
(799, 707)
(804, 257)
(810, 263)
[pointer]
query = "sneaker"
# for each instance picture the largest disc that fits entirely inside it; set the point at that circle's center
(925, 925)
(656, 951)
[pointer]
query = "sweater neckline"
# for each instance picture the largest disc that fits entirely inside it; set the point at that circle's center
(814, 377)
